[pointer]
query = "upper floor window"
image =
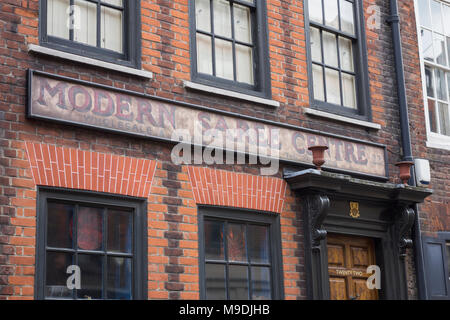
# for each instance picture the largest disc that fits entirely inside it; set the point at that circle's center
(230, 44)
(101, 29)
(434, 33)
(339, 84)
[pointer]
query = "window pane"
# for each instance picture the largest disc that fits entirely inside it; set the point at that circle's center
(258, 244)
(56, 276)
(448, 48)
(204, 55)
(238, 282)
(345, 50)
(436, 16)
(89, 228)
(86, 30)
(447, 19)
(244, 64)
(119, 278)
(215, 282)
(202, 15)
(439, 49)
(448, 83)
(331, 13)
(347, 22)
(120, 237)
(333, 86)
(242, 24)
(444, 122)
(222, 18)
(236, 242)
(424, 12)
(316, 46)
(315, 10)
(329, 49)
(441, 90)
(318, 82)
(349, 90)
(58, 18)
(432, 115)
(261, 283)
(91, 276)
(224, 59)
(427, 45)
(114, 2)
(214, 240)
(111, 29)
(429, 81)
(441, 85)
(59, 225)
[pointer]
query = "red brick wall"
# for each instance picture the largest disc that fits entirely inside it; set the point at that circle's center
(224, 188)
(172, 212)
(173, 269)
(173, 233)
(77, 169)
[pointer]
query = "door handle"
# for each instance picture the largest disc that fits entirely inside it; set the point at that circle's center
(354, 298)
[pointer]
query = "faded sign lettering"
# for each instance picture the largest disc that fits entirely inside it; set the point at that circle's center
(71, 101)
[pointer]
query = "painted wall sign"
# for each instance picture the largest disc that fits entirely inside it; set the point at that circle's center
(81, 103)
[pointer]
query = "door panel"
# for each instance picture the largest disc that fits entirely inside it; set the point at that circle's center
(359, 257)
(336, 255)
(338, 288)
(361, 290)
(348, 259)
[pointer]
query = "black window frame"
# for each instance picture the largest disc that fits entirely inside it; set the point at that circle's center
(363, 110)
(140, 273)
(436, 266)
(261, 66)
(444, 236)
(131, 56)
(244, 216)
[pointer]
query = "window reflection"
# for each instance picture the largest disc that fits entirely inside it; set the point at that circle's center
(244, 272)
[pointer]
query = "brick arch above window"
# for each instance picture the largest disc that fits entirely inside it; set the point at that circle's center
(239, 190)
(86, 170)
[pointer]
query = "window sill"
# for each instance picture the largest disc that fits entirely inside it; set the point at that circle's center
(231, 94)
(436, 143)
(93, 62)
(335, 117)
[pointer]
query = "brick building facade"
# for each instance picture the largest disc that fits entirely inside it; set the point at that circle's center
(50, 157)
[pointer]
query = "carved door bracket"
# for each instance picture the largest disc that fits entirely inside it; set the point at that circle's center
(403, 224)
(316, 206)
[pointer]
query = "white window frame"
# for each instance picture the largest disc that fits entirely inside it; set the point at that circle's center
(434, 140)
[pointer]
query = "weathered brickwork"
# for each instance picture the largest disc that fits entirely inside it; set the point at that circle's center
(173, 271)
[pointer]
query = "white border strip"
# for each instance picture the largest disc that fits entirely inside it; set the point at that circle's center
(336, 117)
(229, 93)
(93, 62)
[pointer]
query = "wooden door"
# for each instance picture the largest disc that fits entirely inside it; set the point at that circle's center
(348, 259)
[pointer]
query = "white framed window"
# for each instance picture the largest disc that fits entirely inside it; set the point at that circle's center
(433, 28)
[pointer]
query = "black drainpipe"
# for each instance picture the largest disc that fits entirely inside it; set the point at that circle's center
(394, 20)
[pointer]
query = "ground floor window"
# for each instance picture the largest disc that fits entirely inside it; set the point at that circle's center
(240, 255)
(90, 246)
